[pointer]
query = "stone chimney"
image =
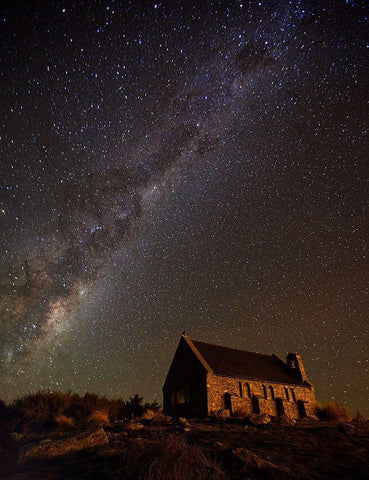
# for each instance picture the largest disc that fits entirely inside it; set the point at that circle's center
(294, 363)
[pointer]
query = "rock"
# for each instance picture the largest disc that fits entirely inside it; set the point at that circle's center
(347, 428)
(161, 419)
(248, 464)
(16, 436)
(222, 414)
(50, 448)
(183, 421)
(259, 419)
(187, 429)
(284, 420)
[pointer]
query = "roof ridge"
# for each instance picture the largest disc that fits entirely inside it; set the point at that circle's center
(231, 348)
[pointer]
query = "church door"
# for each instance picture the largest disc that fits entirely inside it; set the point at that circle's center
(255, 404)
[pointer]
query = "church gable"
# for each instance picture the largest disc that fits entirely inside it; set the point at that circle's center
(204, 378)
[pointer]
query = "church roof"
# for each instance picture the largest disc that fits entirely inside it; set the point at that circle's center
(242, 364)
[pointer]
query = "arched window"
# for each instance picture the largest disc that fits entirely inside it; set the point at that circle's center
(271, 389)
(240, 389)
(287, 395)
(248, 390)
(265, 392)
(293, 395)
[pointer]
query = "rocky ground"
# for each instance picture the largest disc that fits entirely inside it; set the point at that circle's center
(218, 449)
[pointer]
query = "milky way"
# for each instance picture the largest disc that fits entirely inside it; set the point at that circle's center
(170, 167)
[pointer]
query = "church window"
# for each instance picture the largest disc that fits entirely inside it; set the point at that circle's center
(181, 395)
(265, 392)
(248, 389)
(293, 395)
(271, 389)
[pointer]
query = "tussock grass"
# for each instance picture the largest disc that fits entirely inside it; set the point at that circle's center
(332, 411)
(52, 411)
(64, 422)
(170, 458)
(98, 419)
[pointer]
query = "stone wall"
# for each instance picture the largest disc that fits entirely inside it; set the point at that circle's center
(238, 394)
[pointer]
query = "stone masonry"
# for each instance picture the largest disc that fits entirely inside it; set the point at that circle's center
(205, 378)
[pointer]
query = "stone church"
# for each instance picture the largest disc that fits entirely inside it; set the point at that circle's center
(205, 378)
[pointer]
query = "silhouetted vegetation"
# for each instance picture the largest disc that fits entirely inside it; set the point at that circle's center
(332, 411)
(49, 411)
(65, 435)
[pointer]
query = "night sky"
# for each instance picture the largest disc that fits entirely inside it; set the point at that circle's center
(197, 166)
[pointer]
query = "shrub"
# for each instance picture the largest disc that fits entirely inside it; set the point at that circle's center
(39, 411)
(135, 406)
(332, 411)
(155, 406)
(98, 419)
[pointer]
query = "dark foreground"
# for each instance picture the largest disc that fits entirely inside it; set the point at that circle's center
(309, 449)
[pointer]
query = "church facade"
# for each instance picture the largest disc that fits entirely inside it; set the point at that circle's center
(205, 378)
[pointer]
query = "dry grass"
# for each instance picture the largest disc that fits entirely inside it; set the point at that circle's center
(37, 412)
(332, 411)
(98, 419)
(64, 422)
(171, 458)
(148, 414)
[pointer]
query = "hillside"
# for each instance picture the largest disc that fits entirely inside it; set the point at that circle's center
(159, 448)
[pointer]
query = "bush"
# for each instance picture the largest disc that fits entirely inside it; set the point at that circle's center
(47, 411)
(135, 406)
(332, 411)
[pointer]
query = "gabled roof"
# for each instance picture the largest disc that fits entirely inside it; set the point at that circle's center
(243, 364)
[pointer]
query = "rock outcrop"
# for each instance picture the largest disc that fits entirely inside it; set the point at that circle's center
(50, 448)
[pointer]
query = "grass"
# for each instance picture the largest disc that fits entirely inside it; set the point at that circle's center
(47, 411)
(98, 419)
(332, 412)
(170, 458)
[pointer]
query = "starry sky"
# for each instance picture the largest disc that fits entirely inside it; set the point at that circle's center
(170, 166)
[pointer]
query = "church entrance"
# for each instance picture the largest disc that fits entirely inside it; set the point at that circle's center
(280, 407)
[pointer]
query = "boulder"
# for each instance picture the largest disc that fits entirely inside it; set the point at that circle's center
(249, 465)
(284, 420)
(50, 448)
(259, 419)
(161, 419)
